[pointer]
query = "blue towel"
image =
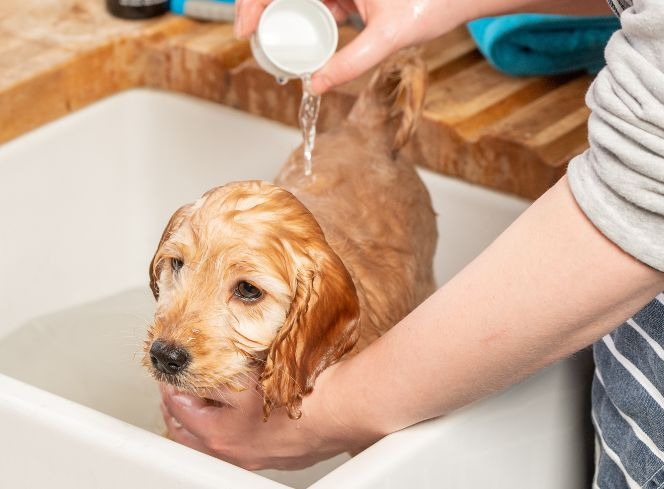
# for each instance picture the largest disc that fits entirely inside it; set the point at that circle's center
(535, 44)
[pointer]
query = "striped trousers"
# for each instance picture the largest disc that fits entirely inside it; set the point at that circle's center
(628, 402)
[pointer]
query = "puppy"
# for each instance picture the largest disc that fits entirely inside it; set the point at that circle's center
(284, 279)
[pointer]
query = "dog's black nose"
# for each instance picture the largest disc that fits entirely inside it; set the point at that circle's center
(169, 359)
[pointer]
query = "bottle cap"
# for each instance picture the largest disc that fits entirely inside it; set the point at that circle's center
(294, 37)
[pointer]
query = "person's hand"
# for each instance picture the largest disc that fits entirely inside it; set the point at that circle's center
(395, 24)
(233, 429)
(390, 26)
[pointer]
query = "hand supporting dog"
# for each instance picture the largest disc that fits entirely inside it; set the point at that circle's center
(230, 428)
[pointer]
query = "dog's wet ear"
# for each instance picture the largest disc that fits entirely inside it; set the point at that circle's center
(174, 223)
(321, 326)
(394, 97)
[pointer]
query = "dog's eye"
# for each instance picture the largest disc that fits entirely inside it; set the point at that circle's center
(247, 292)
(176, 265)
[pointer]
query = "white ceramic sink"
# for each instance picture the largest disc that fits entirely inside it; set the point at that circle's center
(83, 201)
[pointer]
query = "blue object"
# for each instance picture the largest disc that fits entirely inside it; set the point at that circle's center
(216, 10)
(535, 44)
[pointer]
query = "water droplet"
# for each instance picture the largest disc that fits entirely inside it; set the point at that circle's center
(282, 80)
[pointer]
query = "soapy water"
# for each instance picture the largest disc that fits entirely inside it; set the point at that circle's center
(309, 108)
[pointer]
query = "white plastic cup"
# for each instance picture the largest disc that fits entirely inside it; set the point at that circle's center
(294, 38)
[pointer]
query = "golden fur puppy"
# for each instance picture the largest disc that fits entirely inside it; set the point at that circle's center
(284, 279)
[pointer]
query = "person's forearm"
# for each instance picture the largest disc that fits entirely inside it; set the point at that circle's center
(487, 8)
(569, 7)
(547, 287)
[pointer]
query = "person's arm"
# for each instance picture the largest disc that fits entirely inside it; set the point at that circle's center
(549, 286)
(578, 263)
(395, 24)
(565, 7)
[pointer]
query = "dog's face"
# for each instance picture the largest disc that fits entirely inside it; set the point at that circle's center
(244, 281)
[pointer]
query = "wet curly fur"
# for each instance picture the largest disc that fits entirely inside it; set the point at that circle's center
(338, 257)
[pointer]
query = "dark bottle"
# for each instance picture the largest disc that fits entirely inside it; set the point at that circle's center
(137, 9)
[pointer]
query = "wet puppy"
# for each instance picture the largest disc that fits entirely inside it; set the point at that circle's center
(281, 280)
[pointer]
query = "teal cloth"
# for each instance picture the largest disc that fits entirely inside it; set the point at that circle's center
(535, 44)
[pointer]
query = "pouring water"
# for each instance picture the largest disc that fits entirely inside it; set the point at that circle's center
(308, 116)
(295, 38)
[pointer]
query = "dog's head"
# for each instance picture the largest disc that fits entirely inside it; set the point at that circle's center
(244, 280)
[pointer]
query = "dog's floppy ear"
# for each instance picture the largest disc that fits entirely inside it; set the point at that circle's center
(394, 97)
(321, 326)
(155, 265)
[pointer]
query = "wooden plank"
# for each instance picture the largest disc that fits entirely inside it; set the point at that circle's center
(69, 24)
(545, 125)
(450, 54)
(13, 55)
(469, 92)
(447, 48)
(61, 89)
(475, 126)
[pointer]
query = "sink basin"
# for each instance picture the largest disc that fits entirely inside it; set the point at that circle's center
(83, 201)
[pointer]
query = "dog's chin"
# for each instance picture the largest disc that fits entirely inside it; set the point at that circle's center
(189, 384)
(175, 380)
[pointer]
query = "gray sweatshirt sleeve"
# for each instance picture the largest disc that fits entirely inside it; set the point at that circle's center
(619, 181)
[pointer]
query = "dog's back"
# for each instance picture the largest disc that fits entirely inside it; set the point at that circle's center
(372, 206)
